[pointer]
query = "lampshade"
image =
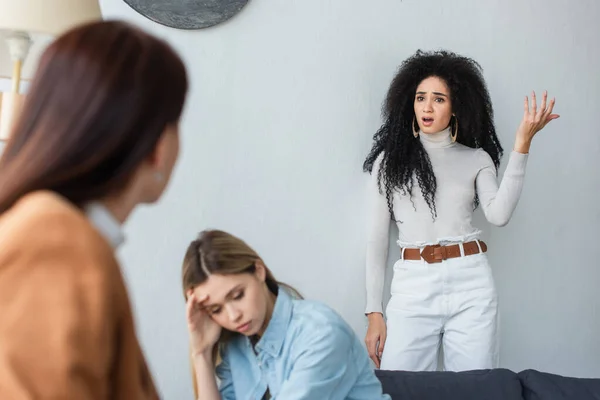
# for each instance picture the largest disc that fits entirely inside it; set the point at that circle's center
(46, 16)
(41, 20)
(29, 26)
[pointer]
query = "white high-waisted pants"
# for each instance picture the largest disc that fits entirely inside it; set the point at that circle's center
(451, 304)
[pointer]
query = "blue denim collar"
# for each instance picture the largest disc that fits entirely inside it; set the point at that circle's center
(272, 340)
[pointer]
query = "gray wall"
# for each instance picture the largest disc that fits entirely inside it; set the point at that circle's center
(283, 103)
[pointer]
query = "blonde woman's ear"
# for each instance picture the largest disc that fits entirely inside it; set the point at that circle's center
(260, 270)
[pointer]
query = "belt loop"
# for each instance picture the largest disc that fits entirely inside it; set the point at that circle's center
(402, 249)
(478, 245)
(462, 248)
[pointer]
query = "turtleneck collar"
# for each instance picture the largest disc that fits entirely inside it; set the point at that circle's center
(436, 140)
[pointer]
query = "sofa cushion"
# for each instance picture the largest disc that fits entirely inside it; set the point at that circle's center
(544, 386)
(497, 384)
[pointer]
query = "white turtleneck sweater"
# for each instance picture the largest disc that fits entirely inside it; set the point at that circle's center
(460, 172)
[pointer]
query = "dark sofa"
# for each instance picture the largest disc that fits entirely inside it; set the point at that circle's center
(496, 384)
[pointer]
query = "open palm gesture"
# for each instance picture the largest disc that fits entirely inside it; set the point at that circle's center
(534, 120)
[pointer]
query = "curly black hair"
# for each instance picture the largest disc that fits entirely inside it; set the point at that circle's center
(404, 156)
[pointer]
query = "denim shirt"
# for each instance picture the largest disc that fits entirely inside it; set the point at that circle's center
(307, 352)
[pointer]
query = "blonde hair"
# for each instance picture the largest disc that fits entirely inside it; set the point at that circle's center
(218, 252)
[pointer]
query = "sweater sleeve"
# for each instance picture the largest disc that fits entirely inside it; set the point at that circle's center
(378, 224)
(499, 203)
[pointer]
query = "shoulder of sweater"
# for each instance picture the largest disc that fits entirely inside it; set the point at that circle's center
(378, 160)
(466, 149)
(45, 220)
(477, 155)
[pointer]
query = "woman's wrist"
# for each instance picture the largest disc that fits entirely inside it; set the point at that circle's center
(204, 356)
(522, 146)
(206, 381)
(373, 315)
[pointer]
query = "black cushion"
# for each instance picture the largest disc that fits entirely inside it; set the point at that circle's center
(497, 384)
(544, 386)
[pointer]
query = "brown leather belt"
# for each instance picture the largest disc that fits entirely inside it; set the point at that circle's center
(437, 253)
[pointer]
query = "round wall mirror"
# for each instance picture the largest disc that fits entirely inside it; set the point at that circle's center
(187, 14)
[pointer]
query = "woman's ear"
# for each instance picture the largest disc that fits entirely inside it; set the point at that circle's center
(156, 158)
(260, 270)
(165, 150)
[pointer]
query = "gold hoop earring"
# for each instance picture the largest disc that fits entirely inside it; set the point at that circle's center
(415, 132)
(455, 130)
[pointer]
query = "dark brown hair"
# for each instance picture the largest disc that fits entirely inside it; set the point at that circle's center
(101, 98)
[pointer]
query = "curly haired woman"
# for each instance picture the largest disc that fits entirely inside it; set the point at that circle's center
(433, 161)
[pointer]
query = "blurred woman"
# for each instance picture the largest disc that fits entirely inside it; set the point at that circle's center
(98, 135)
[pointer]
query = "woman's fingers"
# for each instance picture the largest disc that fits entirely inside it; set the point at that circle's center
(371, 342)
(381, 345)
(193, 304)
(190, 306)
(543, 106)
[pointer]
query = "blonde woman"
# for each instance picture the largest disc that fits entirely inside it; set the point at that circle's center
(260, 338)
